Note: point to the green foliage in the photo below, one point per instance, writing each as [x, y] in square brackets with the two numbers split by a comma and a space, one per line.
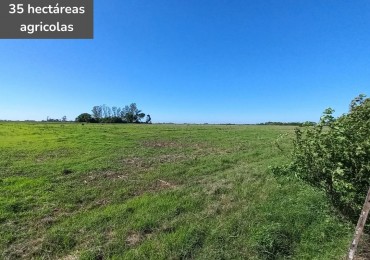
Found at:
[132, 114]
[84, 117]
[148, 119]
[111, 120]
[106, 114]
[334, 155]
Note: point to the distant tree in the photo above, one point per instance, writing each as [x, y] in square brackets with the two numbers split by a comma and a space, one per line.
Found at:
[97, 112]
[64, 119]
[118, 112]
[132, 114]
[49, 119]
[107, 112]
[148, 119]
[84, 117]
[114, 119]
[125, 114]
[114, 111]
[309, 123]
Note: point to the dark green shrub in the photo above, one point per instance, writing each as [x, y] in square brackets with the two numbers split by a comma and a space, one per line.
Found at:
[85, 117]
[334, 155]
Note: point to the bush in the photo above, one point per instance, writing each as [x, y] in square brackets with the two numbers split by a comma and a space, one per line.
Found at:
[334, 155]
[85, 118]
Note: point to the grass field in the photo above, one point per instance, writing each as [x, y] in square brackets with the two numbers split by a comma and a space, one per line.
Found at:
[93, 191]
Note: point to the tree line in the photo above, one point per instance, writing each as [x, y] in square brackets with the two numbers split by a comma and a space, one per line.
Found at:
[106, 114]
[307, 123]
[49, 119]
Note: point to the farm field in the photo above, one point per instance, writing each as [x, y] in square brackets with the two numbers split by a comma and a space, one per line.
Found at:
[94, 191]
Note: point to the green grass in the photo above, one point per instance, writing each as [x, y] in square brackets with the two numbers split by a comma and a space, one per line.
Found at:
[97, 191]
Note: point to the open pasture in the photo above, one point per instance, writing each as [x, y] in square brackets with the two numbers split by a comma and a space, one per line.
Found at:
[93, 191]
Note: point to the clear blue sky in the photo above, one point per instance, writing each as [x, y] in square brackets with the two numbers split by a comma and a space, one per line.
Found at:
[216, 61]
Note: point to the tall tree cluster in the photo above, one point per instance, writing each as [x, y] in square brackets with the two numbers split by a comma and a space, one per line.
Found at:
[106, 114]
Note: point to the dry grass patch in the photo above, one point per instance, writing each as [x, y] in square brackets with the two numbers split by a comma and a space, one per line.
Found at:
[161, 184]
[162, 144]
[24, 250]
[133, 239]
[109, 174]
